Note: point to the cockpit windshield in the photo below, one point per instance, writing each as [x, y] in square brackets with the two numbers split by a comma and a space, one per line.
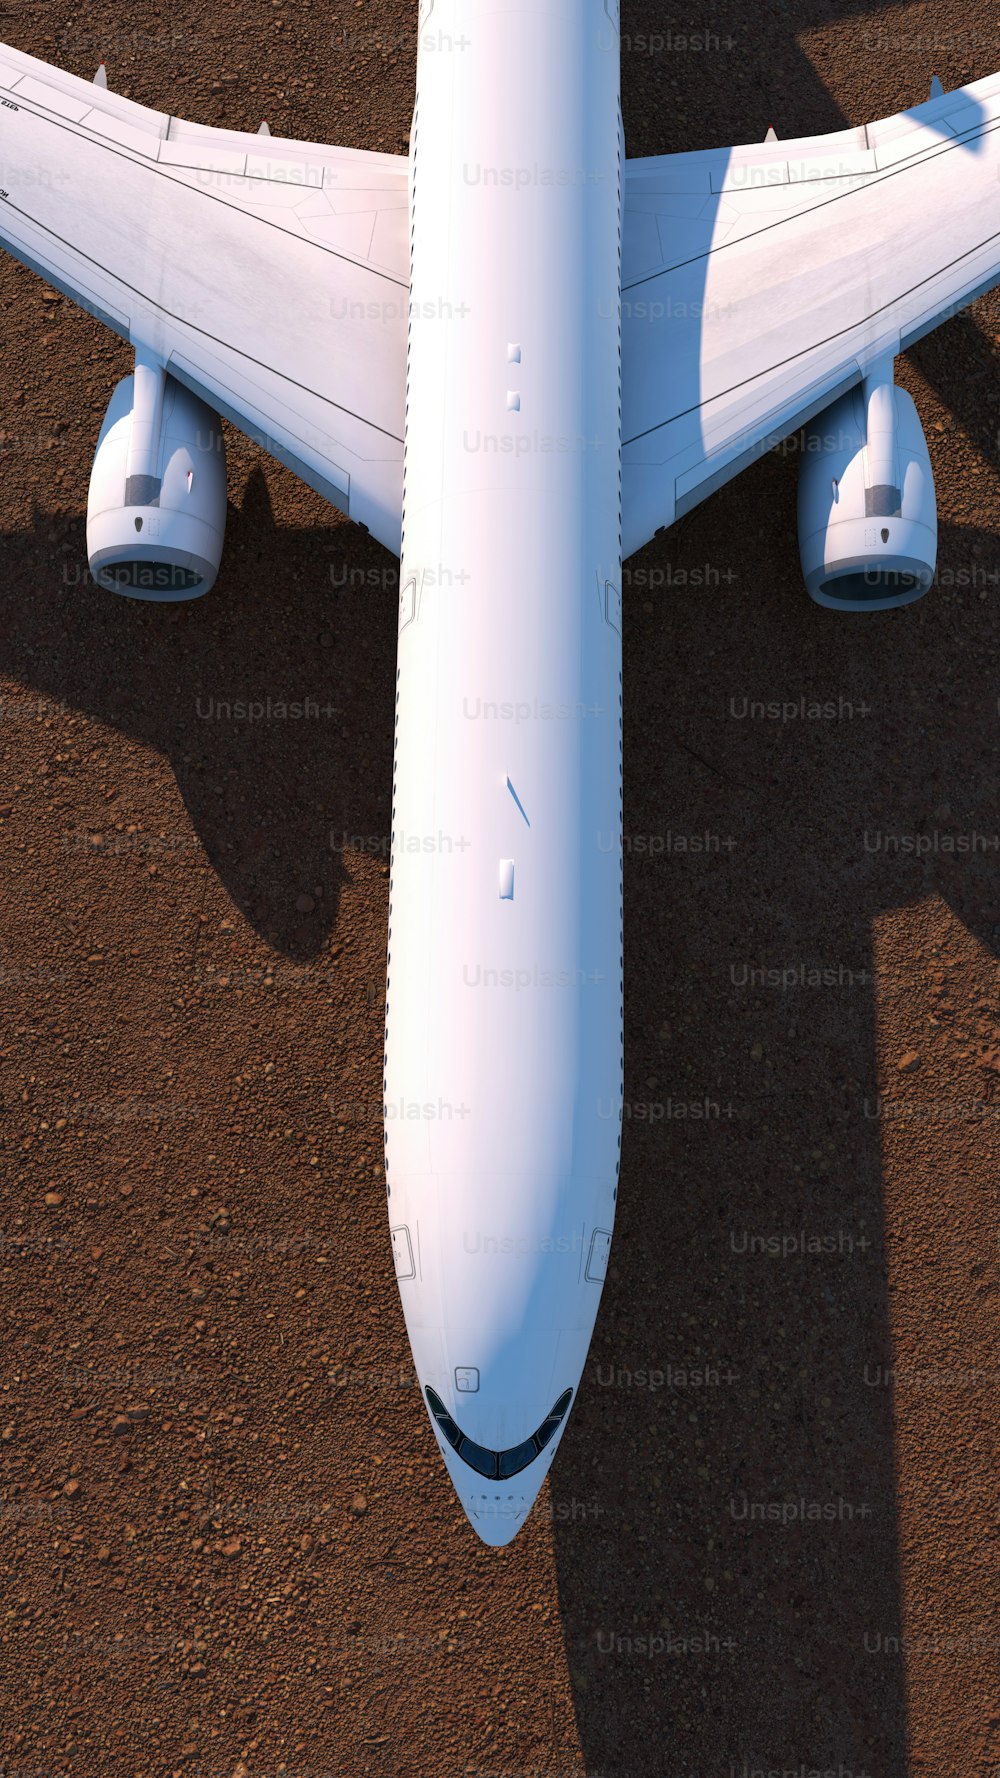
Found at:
[498, 1465]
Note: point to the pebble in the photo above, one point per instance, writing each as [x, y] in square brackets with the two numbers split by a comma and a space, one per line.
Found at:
[119, 1425]
[359, 1506]
[71, 1488]
[907, 1063]
[53, 1197]
[304, 904]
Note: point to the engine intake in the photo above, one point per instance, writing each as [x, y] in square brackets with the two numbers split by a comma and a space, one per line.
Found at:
[156, 510]
[867, 509]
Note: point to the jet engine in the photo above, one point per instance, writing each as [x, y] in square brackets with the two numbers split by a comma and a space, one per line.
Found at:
[867, 510]
[156, 510]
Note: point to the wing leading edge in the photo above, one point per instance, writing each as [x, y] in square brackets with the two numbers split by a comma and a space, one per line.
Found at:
[759, 284]
[271, 277]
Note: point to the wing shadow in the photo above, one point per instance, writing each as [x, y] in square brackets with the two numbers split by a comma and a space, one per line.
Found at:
[278, 725]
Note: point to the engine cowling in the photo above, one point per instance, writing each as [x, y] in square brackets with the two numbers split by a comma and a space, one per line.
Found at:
[156, 510]
[867, 508]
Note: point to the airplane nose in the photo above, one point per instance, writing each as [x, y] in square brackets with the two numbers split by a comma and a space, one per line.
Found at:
[497, 1488]
[496, 1511]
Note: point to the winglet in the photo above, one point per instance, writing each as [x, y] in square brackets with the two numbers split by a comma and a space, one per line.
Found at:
[264, 130]
[771, 134]
[937, 90]
[101, 77]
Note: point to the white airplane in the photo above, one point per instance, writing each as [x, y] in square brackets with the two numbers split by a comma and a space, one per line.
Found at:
[513, 357]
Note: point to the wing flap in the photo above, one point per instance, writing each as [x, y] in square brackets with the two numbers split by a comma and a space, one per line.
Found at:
[49, 97]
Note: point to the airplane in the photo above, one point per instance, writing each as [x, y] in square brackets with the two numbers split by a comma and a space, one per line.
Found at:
[513, 356]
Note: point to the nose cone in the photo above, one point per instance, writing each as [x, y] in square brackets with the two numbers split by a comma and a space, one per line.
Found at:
[496, 1510]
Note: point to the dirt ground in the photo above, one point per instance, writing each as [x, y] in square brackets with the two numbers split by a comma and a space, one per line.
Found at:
[769, 1541]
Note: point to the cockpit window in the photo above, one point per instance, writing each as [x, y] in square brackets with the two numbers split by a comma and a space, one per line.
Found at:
[498, 1465]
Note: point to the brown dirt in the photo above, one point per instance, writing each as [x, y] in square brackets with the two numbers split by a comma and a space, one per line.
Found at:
[229, 1546]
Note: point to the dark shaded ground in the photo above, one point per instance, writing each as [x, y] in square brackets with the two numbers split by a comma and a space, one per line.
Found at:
[769, 1542]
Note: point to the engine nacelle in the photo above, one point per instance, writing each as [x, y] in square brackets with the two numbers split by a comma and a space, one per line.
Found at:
[156, 510]
[867, 509]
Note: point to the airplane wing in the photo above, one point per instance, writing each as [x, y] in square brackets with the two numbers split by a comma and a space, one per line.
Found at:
[758, 284]
[272, 277]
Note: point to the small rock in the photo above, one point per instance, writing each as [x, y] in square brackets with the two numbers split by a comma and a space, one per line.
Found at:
[304, 904]
[120, 1425]
[139, 1411]
[71, 1488]
[305, 1543]
[909, 1062]
[53, 1197]
[104, 1554]
[232, 1546]
[359, 1506]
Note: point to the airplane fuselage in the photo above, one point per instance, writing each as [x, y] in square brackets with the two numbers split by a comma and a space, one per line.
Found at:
[503, 1062]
